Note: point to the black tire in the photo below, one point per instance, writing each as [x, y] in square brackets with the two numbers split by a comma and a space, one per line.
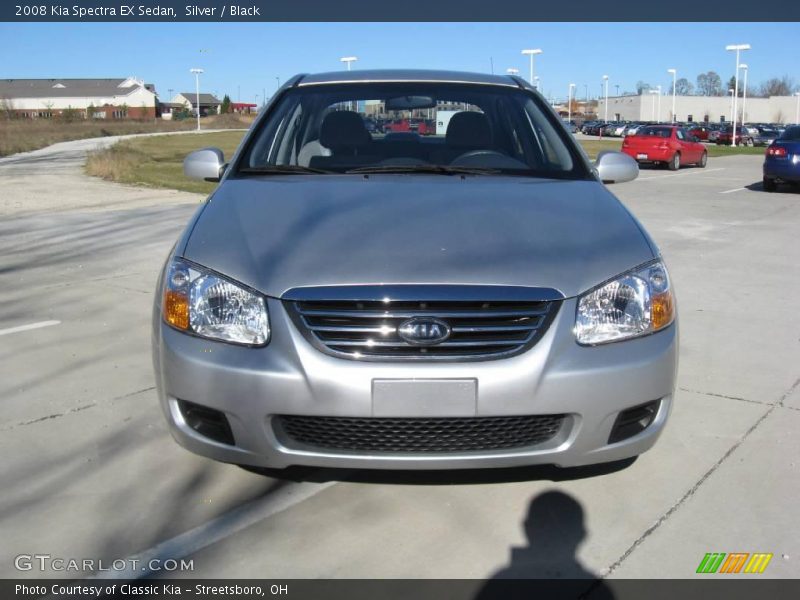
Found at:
[749, 142]
[675, 162]
[770, 185]
[703, 160]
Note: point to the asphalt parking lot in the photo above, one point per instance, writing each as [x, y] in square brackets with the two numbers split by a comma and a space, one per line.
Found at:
[91, 472]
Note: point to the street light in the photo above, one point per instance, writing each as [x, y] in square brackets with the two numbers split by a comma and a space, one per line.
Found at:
[605, 118]
[512, 71]
[674, 84]
[348, 60]
[536, 84]
[736, 48]
[569, 104]
[730, 91]
[659, 104]
[531, 52]
[744, 93]
[197, 73]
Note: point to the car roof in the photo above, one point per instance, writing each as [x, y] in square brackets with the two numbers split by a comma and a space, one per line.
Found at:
[410, 75]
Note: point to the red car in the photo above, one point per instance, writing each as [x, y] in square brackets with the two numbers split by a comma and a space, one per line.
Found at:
[744, 136]
[701, 132]
[664, 144]
[397, 126]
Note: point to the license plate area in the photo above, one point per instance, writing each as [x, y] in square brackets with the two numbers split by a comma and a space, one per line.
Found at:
[424, 397]
[641, 156]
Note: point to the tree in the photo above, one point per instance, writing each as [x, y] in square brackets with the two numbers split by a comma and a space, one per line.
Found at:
[709, 84]
[778, 87]
[683, 87]
[642, 87]
[226, 107]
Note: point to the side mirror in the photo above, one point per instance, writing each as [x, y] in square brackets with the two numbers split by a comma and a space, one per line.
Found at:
[616, 167]
[207, 164]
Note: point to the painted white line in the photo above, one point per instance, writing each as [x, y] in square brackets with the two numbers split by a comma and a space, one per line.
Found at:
[731, 191]
[28, 327]
[217, 529]
[697, 172]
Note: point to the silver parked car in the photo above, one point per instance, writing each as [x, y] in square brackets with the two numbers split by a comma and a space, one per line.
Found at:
[474, 298]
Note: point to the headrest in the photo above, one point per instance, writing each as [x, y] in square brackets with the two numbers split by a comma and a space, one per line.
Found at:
[469, 130]
[343, 129]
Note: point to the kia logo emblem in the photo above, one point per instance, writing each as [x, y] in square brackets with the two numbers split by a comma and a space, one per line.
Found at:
[423, 331]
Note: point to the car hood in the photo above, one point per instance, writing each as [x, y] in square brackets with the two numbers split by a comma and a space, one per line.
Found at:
[281, 232]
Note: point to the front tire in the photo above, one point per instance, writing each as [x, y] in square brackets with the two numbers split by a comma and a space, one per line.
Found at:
[675, 162]
[770, 185]
[703, 160]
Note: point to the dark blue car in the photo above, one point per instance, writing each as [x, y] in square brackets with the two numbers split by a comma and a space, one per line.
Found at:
[782, 161]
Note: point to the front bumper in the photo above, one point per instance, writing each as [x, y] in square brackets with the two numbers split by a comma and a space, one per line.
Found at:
[591, 385]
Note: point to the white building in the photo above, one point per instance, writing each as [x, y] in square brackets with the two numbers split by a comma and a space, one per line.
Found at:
[652, 107]
[107, 98]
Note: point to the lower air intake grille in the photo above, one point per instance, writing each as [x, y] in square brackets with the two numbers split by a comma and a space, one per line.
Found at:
[469, 434]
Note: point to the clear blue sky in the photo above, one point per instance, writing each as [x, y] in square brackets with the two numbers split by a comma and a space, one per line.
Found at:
[249, 57]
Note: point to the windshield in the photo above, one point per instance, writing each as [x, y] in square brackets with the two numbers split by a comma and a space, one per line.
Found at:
[411, 127]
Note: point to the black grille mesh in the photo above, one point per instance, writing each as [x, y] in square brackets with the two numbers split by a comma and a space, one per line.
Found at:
[463, 434]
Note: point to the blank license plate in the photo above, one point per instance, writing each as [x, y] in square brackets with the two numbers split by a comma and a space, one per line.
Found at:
[424, 397]
[641, 156]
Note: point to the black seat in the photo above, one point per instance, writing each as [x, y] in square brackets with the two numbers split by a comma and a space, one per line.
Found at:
[345, 134]
[467, 131]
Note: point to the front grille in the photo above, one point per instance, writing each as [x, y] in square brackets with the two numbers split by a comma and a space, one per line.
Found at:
[368, 329]
[468, 434]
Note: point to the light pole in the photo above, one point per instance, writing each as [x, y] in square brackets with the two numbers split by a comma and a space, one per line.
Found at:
[737, 48]
[512, 71]
[197, 73]
[674, 84]
[537, 84]
[569, 104]
[744, 93]
[797, 109]
[348, 60]
[730, 91]
[605, 118]
[531, 52]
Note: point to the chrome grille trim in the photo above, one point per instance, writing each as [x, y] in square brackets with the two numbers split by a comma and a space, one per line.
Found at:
[365, 328]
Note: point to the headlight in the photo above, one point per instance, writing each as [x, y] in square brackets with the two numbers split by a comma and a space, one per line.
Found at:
[201, 302]
[634, 304]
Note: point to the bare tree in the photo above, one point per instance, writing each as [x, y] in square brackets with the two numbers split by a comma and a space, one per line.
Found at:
[783, 86]
[709, 84]
[683, 87]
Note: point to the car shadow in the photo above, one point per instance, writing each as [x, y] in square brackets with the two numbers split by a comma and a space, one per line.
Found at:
[554, 529]
[442, 477]
[783, 188]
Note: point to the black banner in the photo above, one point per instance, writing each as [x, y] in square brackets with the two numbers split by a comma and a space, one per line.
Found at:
[407, 11]
[744, 587]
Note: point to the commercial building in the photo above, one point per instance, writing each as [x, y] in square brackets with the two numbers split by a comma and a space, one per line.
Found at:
[121, 98]
[209, 103]
[652, 107]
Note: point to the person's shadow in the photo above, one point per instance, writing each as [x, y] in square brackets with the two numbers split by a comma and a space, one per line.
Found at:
[555, 528]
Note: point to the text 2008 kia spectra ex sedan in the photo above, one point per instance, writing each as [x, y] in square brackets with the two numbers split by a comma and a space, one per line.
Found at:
[470, 298]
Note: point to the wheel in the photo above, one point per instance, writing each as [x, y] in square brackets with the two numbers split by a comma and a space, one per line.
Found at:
[770, 185]
[675, 162]
[749, 142]
[703, 160]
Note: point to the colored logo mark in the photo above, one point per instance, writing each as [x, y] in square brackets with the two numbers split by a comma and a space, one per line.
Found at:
[735, 562]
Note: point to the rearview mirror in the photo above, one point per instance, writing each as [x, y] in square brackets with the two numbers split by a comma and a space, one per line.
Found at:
[207, 164]
[410, 102]
[616, 167]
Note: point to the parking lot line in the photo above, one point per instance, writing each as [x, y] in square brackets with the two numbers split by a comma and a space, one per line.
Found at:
[739, 189]
[28, 327]
[680, 174]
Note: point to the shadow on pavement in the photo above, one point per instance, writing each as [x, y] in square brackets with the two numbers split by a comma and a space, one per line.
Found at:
[554, 528]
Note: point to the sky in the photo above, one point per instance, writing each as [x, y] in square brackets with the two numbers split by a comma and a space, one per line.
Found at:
[245, 60]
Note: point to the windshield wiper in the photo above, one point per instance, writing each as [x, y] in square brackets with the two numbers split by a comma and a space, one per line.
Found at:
[281, 170]
[440, 169]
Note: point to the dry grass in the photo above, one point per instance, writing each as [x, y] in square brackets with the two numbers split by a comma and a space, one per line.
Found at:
[23, 135]
[158, 161]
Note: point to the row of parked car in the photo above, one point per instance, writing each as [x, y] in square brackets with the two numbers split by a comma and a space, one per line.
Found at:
[420, 126]
[749, 134]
